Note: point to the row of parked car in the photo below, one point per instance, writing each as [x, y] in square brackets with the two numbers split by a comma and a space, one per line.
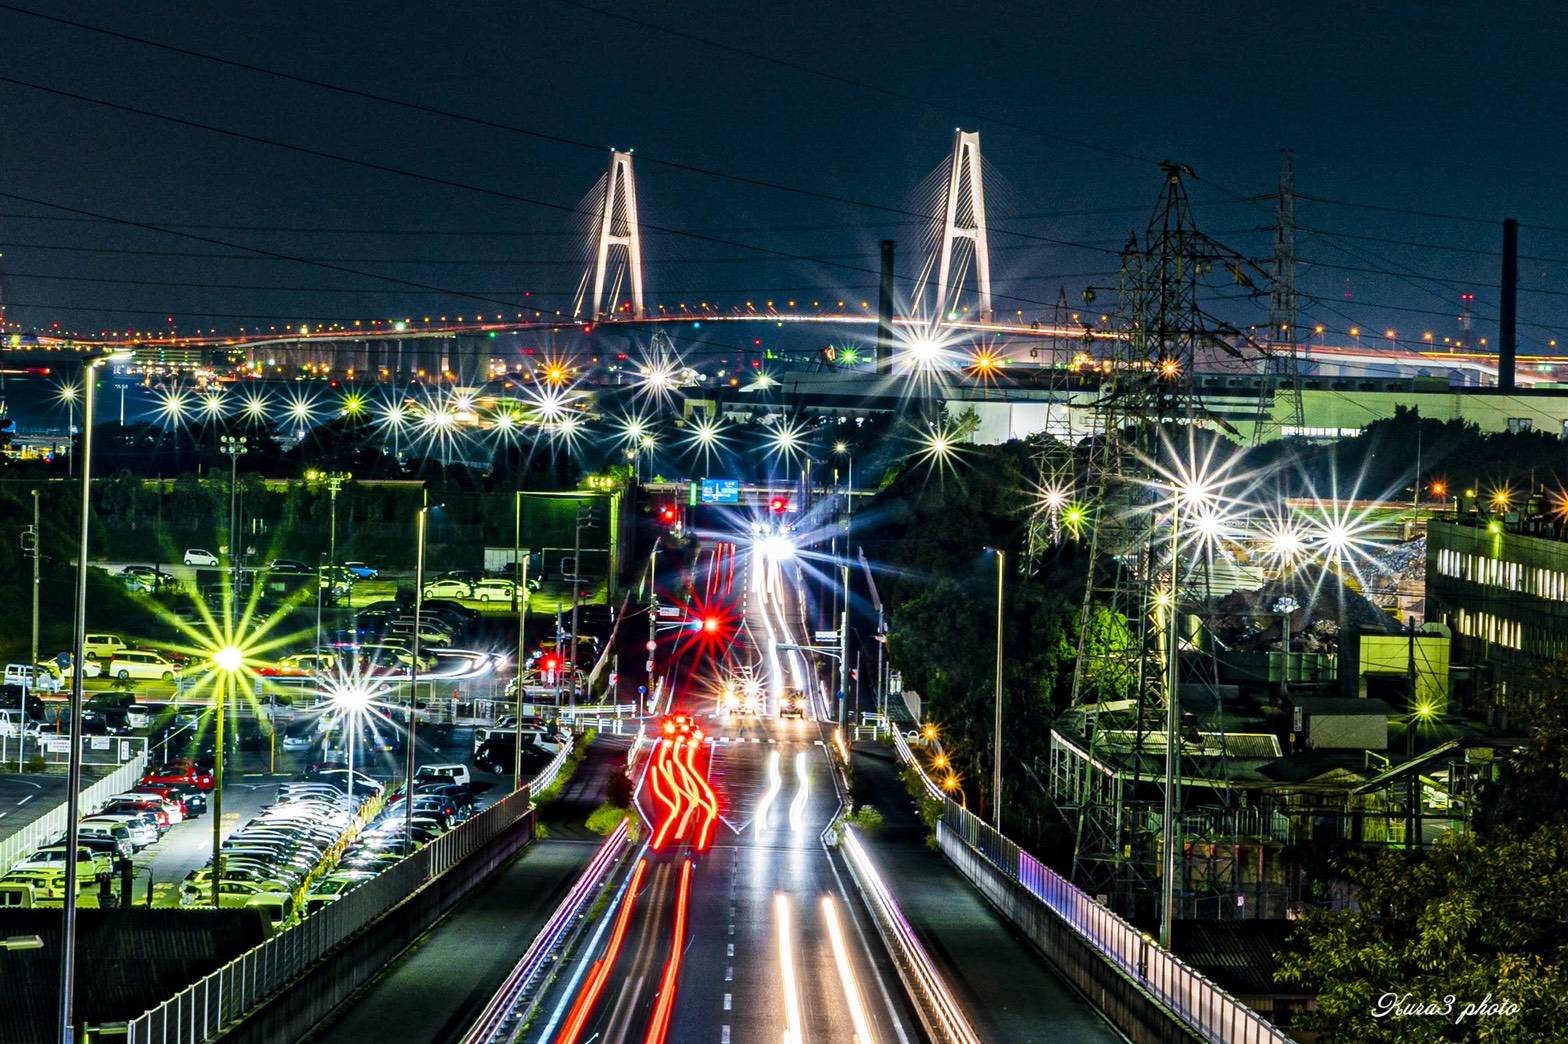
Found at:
[269, 860]
[124, 824]
[382, 640]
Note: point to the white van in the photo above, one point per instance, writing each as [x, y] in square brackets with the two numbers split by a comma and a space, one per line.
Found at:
[9, 726]
[138, 663]
[32, 678]
[101, 646]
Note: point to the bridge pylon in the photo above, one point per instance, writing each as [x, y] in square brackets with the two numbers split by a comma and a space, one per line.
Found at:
[963, 217]
[617, 226]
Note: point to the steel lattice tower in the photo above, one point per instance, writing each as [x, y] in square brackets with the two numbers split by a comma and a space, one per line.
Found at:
[1283, 369]
[1108, 775]
[1054, 459]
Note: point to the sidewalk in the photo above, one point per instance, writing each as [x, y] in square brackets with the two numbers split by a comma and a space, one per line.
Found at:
[1002, 981]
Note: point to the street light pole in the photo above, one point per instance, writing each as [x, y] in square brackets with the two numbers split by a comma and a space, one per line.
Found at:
[73, 790]
[843, 646]
[413, 675]
[520, 606]
[234, 446]
[1172, 807]
[21, 715]
[996, 738]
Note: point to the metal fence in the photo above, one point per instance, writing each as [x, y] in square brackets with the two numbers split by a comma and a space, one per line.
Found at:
[201, 1011]
[47, 827]
[56, 750]
[1191, 996]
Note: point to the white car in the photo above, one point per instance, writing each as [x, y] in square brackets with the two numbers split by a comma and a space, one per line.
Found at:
[195, 556]
[449, 588]
[494, 590]
[138, 663]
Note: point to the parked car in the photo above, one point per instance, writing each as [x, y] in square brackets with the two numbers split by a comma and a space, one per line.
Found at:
[300, 665]
[456, 774]
[491, 590]
[448, 587]
[12, 723]
[183, 771]
[287, 565]
[361, 570]
[116, 834]
[143, 831]
[135, 663]
[101, 646]
[195, 556]
[53, 858]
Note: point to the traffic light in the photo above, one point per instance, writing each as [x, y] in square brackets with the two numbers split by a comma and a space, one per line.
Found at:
[669, 514]
[779, 505]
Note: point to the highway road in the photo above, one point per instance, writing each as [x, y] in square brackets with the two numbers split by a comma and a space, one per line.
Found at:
[745, 928]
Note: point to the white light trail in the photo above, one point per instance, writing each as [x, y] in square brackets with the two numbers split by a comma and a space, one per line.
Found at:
[775, 784]
[792, 1021]
[846, 973]
[797, 807]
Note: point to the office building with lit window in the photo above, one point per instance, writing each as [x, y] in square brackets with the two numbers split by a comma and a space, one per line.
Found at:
[1500, 582]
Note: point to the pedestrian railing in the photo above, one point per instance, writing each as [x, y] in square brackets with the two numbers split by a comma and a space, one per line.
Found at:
[17, 846]
[201, 1011]
[510, 1007]
[1188, 994]
[547, 775]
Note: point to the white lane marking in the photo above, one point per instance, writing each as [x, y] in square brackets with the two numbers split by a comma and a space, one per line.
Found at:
[729, 951]
[726, 1002]
[729, 974]
[25, 800]
[724, 1034]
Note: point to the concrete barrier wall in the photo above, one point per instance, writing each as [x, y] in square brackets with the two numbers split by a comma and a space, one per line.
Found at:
[1130, 1008]
[331, 983]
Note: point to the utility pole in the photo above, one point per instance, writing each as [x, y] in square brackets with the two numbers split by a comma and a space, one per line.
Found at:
[1172, 809]
[520, 606]
[30, 540]
[1412, 777]
[843, 646]
[996, 738]
[234, 447]
[584, 517]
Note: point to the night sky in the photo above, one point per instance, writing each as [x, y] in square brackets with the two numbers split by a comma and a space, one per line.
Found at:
[1450, 110]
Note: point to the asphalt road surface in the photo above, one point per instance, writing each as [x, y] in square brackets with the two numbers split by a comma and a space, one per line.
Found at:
[432, 992]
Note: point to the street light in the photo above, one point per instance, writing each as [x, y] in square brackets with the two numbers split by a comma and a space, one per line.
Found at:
[520, 607]
[334, 481]
[413, 667]
[230, 660]
[996, 739]
[67, 1007]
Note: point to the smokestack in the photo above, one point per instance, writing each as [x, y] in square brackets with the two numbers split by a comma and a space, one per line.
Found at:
[1508, 307]
[884, 352]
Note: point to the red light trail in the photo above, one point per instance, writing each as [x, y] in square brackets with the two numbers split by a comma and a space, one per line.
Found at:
[659, 1028]
[681, 793]
[602, 967]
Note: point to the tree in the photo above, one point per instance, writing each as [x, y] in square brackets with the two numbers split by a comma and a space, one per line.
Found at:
[1476, 916]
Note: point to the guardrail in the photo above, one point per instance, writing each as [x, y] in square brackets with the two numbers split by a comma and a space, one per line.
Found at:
[1189, 995]
[46, 827]
[201, 1011]
[506, 1011]
[907, 756]
[939, 1012]
[547, 775]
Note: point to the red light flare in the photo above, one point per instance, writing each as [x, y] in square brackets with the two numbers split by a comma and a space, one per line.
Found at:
[602, 967]
[659, 1026]
[716, 624]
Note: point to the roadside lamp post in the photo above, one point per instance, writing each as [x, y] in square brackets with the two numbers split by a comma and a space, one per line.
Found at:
[334, 481]
[520, 607]
[422, 521]
[234, 447]
[229, 661]
[73, 792]
[996, 738]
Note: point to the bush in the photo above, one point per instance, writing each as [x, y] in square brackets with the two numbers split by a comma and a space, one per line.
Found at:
[35, 763]
[866, 819]
[619, 789]
[604, 819]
